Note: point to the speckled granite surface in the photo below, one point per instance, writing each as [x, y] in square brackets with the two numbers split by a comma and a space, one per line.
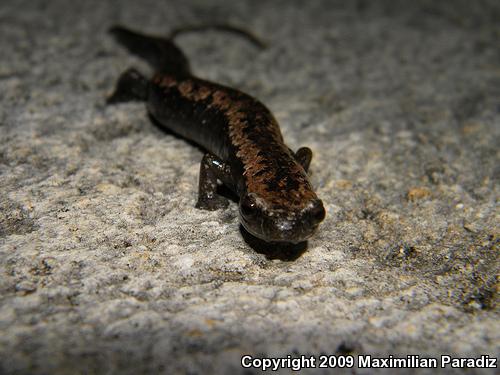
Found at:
[107, 267]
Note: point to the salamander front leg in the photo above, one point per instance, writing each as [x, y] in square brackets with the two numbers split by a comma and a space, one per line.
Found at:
[304, 156]
[131, 85]
[212, 170]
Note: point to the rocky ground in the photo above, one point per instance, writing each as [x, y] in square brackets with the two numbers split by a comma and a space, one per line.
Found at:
[107, 267]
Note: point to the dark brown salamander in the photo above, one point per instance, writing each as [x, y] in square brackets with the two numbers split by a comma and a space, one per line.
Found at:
[245, 148]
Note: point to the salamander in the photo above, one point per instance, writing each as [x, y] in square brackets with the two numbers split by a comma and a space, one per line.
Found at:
[244, 146]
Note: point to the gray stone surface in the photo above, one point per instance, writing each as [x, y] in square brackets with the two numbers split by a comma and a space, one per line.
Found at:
[107, 267]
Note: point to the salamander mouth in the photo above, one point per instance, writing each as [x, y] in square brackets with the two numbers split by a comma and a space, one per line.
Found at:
[283, 232]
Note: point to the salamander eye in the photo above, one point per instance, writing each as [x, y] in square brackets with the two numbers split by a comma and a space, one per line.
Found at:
[248, 205]
[317, 212]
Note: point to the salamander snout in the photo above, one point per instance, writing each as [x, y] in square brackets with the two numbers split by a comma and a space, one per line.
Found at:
[280, 224]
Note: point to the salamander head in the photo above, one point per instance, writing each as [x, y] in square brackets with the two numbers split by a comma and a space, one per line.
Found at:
[273, 223]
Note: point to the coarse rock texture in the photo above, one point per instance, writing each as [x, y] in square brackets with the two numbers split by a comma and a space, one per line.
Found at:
[107, 267]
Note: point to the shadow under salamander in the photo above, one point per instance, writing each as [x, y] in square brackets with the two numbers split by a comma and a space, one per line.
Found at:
[287, 252]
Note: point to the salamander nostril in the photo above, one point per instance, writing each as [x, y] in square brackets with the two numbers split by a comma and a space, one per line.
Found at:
[284, 226]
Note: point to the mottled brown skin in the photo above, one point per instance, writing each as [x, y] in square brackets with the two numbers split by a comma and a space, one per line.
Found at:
[245, 151]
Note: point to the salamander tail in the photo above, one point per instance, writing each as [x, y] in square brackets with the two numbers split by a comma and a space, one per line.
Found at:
[161, 53]
[221, 27]
[131, 85]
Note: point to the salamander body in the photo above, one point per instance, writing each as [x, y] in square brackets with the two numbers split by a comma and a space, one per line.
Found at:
[244, 146]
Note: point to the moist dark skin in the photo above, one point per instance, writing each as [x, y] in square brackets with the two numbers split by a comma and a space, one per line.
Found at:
[244, 146]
